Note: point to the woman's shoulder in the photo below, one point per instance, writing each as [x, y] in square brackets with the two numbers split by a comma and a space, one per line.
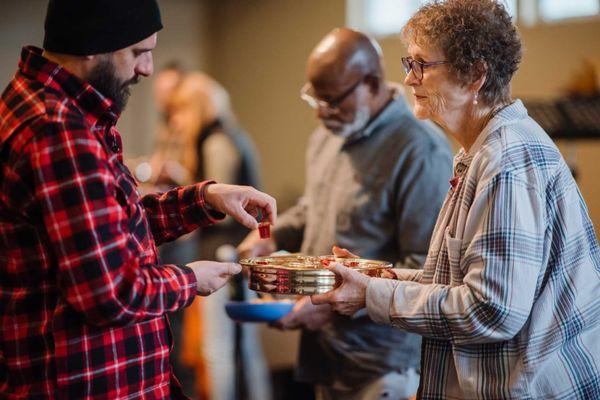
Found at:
[522, 149]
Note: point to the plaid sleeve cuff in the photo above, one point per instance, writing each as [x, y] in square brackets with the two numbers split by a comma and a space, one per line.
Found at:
[188, 282]
[196, 208]
[380, 293]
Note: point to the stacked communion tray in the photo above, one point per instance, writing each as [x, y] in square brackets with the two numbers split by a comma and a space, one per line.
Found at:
[300, 274]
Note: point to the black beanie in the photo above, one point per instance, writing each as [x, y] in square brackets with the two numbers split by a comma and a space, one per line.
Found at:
[85, 27]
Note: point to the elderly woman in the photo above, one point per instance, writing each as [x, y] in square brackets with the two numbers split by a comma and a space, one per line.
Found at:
[508, 302]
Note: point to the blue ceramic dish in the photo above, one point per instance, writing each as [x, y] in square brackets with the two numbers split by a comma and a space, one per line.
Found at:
[244, 311]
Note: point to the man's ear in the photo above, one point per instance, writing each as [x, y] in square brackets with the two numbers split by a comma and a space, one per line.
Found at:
[88, 63]
[374, 83]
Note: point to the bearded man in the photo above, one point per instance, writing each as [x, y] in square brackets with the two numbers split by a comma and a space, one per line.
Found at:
[83, 297]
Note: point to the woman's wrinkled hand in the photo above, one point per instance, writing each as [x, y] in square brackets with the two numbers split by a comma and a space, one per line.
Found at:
[350, 296]
[345, 253]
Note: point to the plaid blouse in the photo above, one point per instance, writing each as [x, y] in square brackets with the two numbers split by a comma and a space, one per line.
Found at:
[83, 300]
[508, 302]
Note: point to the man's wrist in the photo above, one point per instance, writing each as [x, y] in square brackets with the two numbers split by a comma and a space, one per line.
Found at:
[213, 213]
[204, 196]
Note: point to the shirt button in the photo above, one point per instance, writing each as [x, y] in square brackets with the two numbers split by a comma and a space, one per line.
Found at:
[460, 168]
[115, 145]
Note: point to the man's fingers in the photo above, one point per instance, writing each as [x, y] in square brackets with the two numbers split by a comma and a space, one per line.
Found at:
[229, 269]
[244, 218]
[271, 211]
[270, 208]
[253, 211]
[230, 198]
[267, 203]
[284, 323]
[277, 325]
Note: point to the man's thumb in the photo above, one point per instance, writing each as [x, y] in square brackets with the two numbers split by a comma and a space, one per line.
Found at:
[231, 269]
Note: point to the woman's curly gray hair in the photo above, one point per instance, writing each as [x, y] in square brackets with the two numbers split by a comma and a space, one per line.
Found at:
[471, 33]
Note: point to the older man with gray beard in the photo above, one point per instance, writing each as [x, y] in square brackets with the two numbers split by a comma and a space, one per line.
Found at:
[376, 178]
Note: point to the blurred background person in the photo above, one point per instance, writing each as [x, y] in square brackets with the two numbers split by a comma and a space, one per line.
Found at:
[165, 82]
[162, 172]
[210, 141]
[202, 138]
[165, 164]
[376, 178]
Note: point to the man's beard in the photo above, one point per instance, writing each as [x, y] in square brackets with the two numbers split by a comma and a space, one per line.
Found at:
[363, 114]
[103, 78]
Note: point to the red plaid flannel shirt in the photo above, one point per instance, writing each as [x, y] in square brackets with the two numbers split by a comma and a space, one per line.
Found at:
[83, 299]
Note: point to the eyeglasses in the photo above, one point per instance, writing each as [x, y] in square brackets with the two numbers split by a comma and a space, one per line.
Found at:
[417, 67]
[333, 105]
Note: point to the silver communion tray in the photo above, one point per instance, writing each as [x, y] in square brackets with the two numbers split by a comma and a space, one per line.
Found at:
[304, 275]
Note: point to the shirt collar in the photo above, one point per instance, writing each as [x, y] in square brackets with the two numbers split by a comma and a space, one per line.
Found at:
[506, 116]
[92, 102]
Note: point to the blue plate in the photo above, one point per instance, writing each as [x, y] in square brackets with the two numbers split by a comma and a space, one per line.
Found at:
[244, 311]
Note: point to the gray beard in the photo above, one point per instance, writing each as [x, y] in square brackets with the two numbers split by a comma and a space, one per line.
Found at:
[360, 121]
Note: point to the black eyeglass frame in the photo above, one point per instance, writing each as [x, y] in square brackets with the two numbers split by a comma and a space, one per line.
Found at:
[332, 105]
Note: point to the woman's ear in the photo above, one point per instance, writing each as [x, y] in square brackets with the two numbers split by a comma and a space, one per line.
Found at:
[480, 69]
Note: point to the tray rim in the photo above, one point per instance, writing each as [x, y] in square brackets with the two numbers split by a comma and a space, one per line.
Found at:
[274, 268]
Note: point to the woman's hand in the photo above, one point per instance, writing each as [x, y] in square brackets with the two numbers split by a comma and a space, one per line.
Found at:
[345, 253]
[350, 296]
[241, 202]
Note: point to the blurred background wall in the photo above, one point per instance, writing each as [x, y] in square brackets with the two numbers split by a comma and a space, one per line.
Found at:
[258, 49]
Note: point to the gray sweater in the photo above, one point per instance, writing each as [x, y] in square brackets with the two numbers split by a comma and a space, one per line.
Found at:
[378, 194]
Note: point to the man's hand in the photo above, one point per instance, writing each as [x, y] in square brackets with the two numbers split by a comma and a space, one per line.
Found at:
[254, 246]
[241, 202]
[350, 296]
[212, 276]
[306, 315]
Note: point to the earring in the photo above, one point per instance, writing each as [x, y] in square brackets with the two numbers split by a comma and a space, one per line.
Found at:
[475, 99]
